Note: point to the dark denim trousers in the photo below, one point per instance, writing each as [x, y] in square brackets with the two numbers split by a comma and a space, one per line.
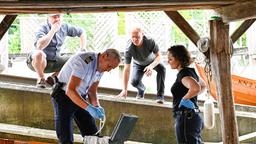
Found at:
[138, 74]
[188, 129]
[64, 113]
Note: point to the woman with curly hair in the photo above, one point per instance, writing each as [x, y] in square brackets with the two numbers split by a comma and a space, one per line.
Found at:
[187, 86]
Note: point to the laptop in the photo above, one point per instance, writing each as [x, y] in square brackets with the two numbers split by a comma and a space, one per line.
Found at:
[123, 128]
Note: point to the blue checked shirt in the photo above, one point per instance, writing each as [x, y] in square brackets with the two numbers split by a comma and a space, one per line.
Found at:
[53, 49]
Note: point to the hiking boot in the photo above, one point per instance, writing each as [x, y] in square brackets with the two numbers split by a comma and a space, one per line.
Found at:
[160, 99]
[51, 80]
[41, 83]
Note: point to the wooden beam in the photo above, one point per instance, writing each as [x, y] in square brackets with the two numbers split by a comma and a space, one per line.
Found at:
[183, 25]
[68, 6]
[241, 29]
[220, 66]
[109, 3]
[84, 9]
[5, 24]
[239, 11]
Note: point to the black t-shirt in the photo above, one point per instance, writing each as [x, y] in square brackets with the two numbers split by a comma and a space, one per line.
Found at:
[179, 90]
[142, 56]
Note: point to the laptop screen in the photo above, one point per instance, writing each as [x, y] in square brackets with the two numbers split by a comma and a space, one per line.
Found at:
[123, 128]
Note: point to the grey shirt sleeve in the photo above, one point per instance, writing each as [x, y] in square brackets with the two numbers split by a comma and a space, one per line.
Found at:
[153, 46]
[73, 31]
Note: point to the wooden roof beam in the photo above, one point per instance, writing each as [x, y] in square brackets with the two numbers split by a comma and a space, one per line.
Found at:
[66, 9]
[239, 11]
[108, 3]
[241, 29]
[79, 6]
[5, 24]
[183, 25]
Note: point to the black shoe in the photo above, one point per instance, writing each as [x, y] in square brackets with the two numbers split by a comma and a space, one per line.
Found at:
[41, 83]
[140, 95]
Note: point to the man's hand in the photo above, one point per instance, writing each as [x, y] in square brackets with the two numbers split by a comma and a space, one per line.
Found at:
[95, 112]
[187, 103]
[56, 26]
[148, 70]
[123, 93]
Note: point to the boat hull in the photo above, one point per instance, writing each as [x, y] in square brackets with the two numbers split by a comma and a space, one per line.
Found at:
[244, 89]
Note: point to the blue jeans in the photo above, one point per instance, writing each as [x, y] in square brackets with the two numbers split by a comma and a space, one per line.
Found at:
[188, 129]
[138, 74]
[64, 113]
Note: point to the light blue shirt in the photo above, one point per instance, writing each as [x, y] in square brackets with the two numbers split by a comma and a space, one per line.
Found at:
[84, 66]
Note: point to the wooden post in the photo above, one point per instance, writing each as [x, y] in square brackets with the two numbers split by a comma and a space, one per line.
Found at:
[220, 65]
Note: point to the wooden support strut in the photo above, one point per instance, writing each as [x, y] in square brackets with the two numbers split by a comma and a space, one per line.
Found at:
[220, 65]
[5, 24]
[183, 25]
[241, 29]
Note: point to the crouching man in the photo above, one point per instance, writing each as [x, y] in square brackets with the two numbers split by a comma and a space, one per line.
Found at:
[74, 96]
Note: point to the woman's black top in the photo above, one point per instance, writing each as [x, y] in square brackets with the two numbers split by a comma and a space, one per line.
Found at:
[179, 90]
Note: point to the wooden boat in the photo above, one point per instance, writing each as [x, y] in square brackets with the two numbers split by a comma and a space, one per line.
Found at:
[244, 89]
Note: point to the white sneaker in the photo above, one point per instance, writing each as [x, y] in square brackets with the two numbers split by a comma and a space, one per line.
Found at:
[160, 101]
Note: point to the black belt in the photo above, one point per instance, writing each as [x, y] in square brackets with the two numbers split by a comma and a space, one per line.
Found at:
[188, 112]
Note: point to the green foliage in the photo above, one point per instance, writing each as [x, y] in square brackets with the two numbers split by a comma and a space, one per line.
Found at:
[178, 37]
[121, 23]
[14, 38]
[86, 22]
[243, 40]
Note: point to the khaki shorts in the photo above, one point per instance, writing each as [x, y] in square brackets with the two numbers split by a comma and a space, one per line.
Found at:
[52, 65]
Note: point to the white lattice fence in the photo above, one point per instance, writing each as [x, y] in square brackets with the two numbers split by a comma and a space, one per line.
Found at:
[105, 32]
[28, 27]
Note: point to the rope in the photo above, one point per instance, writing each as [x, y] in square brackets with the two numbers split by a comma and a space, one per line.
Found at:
[102, 124]
[203, 44]
[208, 74]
